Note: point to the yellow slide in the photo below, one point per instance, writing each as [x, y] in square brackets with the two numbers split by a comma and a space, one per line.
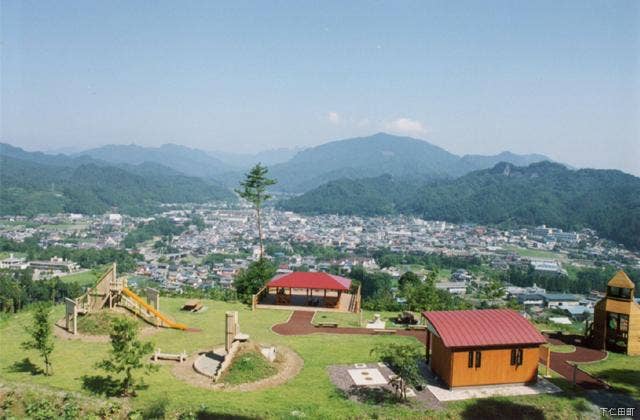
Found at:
[167, 322]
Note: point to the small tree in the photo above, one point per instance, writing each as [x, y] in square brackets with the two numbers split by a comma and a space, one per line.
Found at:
[254, 190]
[253, 278]
[403, 360]
[40, 335]
[127, 354]
[408, 279]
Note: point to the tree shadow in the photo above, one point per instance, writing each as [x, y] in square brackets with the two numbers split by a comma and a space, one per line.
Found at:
[627, 378]
[373, 395]
[157, 410]
[491, 408]
[102, 385]
[25, 365]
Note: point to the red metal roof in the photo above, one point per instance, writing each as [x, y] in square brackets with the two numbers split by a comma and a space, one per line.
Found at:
[485, 327]
[306, 280]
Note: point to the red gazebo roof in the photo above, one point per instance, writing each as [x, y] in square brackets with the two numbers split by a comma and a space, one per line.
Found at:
[485, 327]
[306, 280]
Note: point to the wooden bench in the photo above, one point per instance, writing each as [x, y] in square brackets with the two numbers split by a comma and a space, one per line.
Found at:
[384, 331]
[416, 327]
[180, 357]
[327, 324]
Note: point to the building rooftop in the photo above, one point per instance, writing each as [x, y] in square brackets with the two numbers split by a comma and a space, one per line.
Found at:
[309, 280]
[621, 280]
[487, 327]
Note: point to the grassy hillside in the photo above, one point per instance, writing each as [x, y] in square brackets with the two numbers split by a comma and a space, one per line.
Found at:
[310, 393]
[30, 187]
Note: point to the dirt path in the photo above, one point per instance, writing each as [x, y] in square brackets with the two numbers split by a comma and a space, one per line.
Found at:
[300, 324]
[560, 363]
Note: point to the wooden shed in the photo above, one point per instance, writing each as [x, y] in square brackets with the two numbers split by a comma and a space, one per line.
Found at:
[482, 347]
[616, 318]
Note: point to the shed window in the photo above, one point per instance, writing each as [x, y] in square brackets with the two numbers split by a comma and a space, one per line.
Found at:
[478, 359]
[516, 357]
[470, 363]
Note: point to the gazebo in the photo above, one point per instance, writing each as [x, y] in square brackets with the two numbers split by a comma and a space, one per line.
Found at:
[309, 289]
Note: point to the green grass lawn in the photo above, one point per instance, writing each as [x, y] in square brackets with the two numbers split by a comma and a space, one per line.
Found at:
[310, 393]
[535, 253]
[248, 366]
[99, 323]
[85, 278]
[618, 370]
[344, 319]
[562, 348]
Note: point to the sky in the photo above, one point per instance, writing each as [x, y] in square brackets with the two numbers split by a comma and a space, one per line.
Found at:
[560, 78]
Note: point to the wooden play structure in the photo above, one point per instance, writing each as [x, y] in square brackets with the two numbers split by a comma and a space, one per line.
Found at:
[112, 291]
[214, 363]
[616, 318]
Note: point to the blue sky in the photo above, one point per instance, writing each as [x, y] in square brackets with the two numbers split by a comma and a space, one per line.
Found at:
[553, 77]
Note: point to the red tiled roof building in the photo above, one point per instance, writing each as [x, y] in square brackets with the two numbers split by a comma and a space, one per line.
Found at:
[482, 347]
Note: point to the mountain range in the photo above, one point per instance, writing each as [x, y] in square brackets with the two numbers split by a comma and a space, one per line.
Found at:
[33, 182]
[540, 193]
[401, 157]
[298, 170]
[379, 174]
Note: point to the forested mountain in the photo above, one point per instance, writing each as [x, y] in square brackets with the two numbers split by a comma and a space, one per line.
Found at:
[605, 200]
[488, 161]
[297, 171]
[44, 158]
[29, 187]
[192, 162]
[364, 157]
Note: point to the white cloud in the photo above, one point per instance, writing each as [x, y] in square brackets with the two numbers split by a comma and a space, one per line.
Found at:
[334, 117]
[406, 126]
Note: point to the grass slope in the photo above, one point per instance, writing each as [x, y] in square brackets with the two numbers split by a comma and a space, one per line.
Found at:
[310, 393]
[248, 366]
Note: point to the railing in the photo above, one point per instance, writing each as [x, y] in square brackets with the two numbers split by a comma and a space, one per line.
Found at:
[255, 299]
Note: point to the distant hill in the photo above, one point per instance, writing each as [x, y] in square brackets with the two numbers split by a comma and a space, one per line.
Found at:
[44, 158]
[483, 162]
[244, 161]
[40, 183]
[193, 162]
[605, 200]
[363, 157]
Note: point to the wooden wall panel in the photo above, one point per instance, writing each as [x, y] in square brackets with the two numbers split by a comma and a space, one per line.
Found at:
[440, 359]
[495, 368]
[633, 345]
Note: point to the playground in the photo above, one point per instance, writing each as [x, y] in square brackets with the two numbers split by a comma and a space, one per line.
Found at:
[303, 387]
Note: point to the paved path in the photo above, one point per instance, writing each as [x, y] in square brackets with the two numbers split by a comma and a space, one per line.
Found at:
[300, 324]
[560, 363]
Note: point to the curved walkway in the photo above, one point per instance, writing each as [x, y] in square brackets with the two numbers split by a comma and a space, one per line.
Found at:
[300, 324]
[561, 364]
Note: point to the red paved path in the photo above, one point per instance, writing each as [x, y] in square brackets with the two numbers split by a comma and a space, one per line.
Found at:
[300, 324]
[560, 364]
